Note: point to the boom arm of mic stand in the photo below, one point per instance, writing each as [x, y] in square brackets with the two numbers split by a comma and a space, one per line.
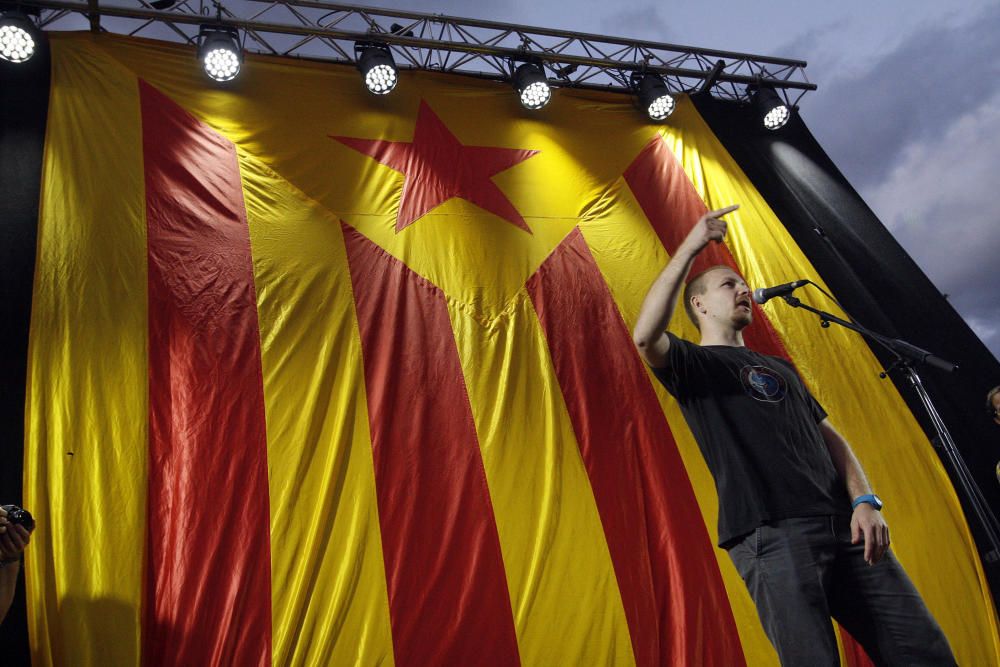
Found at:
[904, 353]
[915, 353]
[900, 347]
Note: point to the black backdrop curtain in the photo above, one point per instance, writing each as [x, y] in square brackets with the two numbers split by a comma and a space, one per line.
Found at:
[24, 96]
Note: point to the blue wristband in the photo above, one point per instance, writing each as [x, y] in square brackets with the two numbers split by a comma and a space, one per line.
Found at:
[870, 498]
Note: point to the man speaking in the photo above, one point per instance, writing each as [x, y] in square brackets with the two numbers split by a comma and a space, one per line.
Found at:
[796, 512]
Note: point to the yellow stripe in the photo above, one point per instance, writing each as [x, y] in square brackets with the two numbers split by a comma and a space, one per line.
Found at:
[329, 602]
[85, 456]
[567, 607]
[929, 534]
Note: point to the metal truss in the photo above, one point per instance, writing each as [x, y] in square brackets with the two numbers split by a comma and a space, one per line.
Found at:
[318, 30]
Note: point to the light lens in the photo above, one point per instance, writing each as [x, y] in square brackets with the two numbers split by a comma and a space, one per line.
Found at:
[381, 79]
[661, 107]
[222, 63]
[536, 95]
[776, 117]
[772, 107]
[16, 44]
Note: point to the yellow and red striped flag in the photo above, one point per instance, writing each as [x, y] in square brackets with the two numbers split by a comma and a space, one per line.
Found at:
[347, 379]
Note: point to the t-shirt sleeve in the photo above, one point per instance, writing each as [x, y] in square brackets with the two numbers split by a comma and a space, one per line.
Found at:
[674, 376]
[818, 413]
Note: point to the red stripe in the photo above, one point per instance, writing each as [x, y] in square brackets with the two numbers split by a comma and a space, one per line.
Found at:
[672, 206]
[854, 653]
[208, 596]
[448, 597]
[675, 601]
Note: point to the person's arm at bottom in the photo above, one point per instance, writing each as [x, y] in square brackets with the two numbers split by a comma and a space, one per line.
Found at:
[8, 583]
[13, 539]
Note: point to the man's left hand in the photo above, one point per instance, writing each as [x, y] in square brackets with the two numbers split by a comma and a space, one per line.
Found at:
[867, 523]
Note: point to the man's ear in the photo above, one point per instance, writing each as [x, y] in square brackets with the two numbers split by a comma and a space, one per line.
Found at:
[696, 304]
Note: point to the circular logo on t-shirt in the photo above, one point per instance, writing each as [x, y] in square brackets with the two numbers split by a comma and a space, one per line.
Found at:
[763, 384]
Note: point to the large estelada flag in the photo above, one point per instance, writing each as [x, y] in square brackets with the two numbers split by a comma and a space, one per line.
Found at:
[321, 378]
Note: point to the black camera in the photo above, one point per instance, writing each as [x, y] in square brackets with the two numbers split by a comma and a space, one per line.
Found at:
[16, 515]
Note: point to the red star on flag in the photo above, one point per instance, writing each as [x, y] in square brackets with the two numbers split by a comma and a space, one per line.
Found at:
[437, 167]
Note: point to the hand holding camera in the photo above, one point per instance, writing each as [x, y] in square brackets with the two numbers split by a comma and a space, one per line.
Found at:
[16, 525]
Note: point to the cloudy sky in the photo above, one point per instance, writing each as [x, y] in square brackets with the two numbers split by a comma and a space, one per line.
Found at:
[908, 106]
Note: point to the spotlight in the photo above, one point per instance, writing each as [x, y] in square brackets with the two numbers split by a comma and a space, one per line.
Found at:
[219, 51]
[377, 67]
[532, 86]
[654, 97]
[18, 37]
[771, 107]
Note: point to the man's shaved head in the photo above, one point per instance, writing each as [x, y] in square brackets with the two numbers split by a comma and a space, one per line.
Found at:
[697, 286]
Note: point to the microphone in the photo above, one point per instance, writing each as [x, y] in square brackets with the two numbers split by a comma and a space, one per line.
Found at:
[764, 294]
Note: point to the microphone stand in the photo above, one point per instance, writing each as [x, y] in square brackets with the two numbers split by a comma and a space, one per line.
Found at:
[906, 356]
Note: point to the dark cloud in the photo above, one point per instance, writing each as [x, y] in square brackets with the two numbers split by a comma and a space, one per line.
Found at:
[808, 45]
[909, 94]
[938, 201]
[645, 22]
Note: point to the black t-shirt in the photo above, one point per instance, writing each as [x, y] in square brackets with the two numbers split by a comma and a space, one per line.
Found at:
[757, 427]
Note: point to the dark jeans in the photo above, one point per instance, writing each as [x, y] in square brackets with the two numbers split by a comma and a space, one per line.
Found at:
[802, 571]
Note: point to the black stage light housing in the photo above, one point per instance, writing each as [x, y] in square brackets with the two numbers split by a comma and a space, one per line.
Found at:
[654, 96]
[532, 87]
[19, 37]
[377, 66]
[772, 109]
[219, 52]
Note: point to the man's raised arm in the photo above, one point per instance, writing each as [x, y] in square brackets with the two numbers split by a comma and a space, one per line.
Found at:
[650, 328]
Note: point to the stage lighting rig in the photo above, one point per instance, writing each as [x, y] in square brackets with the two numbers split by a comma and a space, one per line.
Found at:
[219, 51]
[654, 97]
[377, 66]
[18, 36]
[532, 86]
[773, 110]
